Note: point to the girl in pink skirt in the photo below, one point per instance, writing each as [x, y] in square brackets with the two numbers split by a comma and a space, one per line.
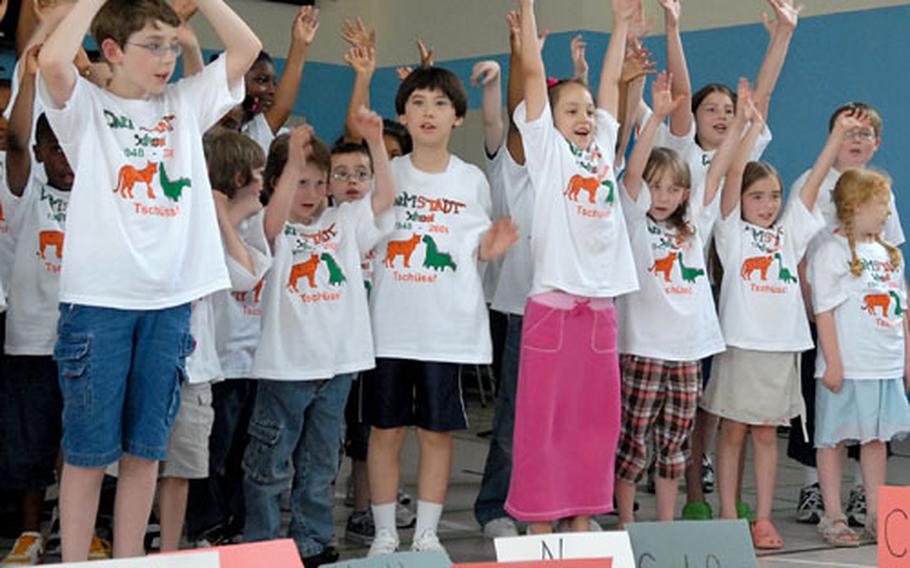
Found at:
[568, 404]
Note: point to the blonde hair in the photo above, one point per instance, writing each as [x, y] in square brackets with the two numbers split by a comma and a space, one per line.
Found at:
[855, 187]
[665, 159]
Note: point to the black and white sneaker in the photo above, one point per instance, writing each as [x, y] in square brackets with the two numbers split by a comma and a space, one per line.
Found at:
[810, 508]
[856, 507]
[707, 474]
[360, 528]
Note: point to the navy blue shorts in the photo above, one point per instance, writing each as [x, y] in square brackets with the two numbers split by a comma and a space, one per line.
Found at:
[403, 392]
[30, 407]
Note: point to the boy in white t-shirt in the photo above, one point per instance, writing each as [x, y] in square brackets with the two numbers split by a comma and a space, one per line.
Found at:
[142, 243]
[427, 304]
[315, 336]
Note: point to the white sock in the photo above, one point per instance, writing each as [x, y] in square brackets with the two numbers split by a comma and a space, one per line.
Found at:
[428, 514]
[857, 474]
[384, 517]
[811, 476]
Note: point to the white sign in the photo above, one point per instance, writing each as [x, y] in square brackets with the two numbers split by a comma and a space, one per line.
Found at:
[208, 559]
[567, 546]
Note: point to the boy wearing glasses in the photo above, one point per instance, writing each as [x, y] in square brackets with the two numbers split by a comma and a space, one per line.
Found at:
[857, 150]
[142, 243]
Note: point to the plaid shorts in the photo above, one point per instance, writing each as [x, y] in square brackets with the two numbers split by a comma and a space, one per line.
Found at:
[659, 398]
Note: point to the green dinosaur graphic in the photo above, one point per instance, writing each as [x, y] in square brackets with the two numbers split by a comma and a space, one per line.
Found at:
[689, 274]
[609, 184]
[172, 189]
[898, 308]
[783, 274]
[336, 276]
[436, 259]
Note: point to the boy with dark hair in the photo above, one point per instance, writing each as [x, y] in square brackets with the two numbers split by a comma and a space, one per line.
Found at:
[423, 335]
[142, 243]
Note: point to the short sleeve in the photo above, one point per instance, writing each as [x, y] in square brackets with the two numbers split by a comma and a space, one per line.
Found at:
[537, 137]
[894, 233]
[253, 236]
[727, 234]
[667, 139]
[764, 138]
[368, 228]
[607, 130]
[74, 117]
[635, 211]
[495, 166]
[827, 269]
[801, 225]
[209, 94]
[701, 216]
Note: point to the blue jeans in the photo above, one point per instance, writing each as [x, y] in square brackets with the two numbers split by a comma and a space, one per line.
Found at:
[295, 431]
[498, 470]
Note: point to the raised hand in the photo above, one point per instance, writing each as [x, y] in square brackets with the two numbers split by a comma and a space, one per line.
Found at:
[786, 16]
[426, 54]
[662, 96]
[361, 59]
[672, 11]
[484, 73]
[300, 146]
[637, 63]
[403, 71]
[305, 25]
[579, 61]
[498, 239]
[368, 124]
[851, 120]
[639, 28]
[357, 34]
[512, 18]
[185, 9]
[626, 9]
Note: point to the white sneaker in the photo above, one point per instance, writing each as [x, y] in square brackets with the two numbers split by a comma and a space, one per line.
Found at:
[384, 542]
[27, 550]
[428, 542]
[501, 527]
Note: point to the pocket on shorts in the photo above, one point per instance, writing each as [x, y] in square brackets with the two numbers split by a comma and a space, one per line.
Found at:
[603, 336]
[260, 461]
[544, 331]
[187, 346]
[72, 356]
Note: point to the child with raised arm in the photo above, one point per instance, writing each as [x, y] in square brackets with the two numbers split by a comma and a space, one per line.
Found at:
[142, 242]
[670, 323]
[442, 231]
[315, 336]
[860, 299]
[856, 151]
[566, 431]
[754, 386]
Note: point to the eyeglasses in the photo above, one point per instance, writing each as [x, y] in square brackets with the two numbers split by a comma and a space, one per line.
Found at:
[864, 135]
[358, 175]
[160, 50]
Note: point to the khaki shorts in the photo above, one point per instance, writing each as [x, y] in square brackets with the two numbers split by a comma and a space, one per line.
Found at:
[188, 446]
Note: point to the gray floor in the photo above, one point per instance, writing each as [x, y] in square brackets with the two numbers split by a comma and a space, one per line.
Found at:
[464, 542]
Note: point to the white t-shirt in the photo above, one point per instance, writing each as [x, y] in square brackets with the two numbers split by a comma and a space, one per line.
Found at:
[492, 271]
[142, 231]
[427, 301]
[868, 310]
[39, 225]
[761, 306]
[672, 316]
[259, 131]
[699, 160]
[202, 366]
[8, 203]
[511, 181]
[579, 241]
[315, 318]
[235, 313]
[893, 233]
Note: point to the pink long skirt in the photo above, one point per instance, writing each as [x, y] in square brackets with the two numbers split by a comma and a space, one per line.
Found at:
[567, 409]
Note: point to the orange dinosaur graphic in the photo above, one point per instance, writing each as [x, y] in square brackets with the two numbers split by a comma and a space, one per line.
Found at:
[578, 183]
[302, 269]
[50, 239]
[761, 263]
[163, 126]
[664, 265]
[402, 248]
[129, 176]
[872, 301]
[257, 291]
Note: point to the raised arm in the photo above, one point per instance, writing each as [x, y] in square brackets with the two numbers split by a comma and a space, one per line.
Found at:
[488, 74]
[781, 29]
[361, 56]
[636, 66]
[579, 60]
[608, 92]
[19, 131]
[733, 173]
[847, 121]
[241, 45]
[229, 215]
[664, 103]
[193, 62]
[61, 47]
[369, 124]
[515, 86]
[533, 71]
[681, 118]
[299, 151]
[303, 32]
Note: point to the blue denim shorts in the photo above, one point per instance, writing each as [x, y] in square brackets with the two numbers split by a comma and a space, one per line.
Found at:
[120, 374]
